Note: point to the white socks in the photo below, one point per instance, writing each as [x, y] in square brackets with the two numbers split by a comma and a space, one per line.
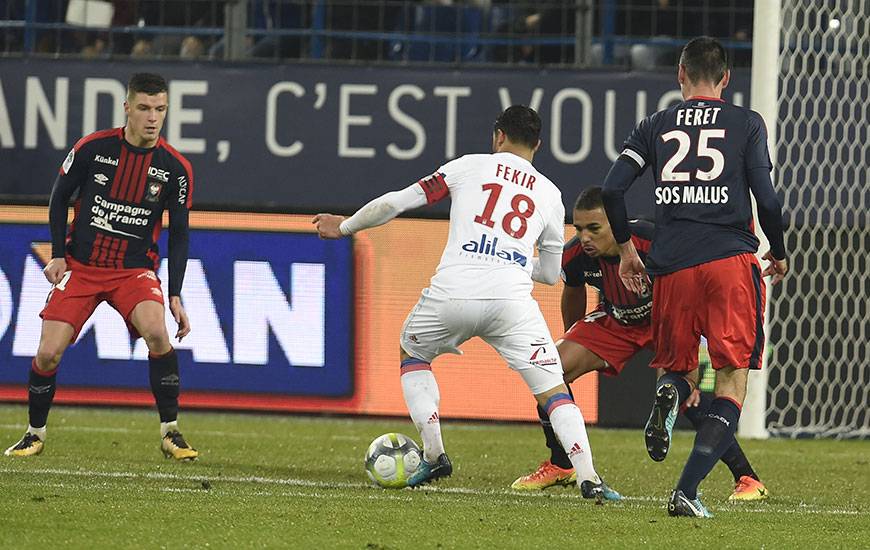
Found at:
[567, 422]
[422, 398]
[166, 427]
[39, 432]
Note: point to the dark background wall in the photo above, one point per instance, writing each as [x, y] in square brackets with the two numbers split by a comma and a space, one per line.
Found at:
[300, 138]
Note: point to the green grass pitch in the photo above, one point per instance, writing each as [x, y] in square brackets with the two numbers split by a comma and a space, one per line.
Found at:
[299, 482]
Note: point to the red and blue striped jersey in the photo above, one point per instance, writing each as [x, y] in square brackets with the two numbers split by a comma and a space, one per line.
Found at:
[602, 273]
[121, 192]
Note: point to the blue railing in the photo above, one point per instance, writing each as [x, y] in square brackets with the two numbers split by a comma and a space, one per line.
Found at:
[466, 46]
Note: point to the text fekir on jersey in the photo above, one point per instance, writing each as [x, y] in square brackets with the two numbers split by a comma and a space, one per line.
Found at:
[515, 176]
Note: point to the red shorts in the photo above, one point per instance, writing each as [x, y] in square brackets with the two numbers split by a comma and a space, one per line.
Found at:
[84, 287]
[605, 337]
[724, 301]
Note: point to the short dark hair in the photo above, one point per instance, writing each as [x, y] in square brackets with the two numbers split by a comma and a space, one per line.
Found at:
[589, 199]
[146, 83]
[521, 124]
[705, 59]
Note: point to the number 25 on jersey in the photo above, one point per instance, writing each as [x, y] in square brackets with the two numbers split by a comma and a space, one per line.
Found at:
[684, 144]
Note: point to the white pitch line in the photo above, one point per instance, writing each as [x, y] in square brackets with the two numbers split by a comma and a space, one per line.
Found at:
[291, 494]
[209, 433]
[80, 429]
[804, 509]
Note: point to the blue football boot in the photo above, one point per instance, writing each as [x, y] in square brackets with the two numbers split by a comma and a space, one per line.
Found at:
[427, 473]
[599, 491]
[680, 505]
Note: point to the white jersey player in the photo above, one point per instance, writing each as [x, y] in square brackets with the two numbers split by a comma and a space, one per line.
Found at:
[502, 209]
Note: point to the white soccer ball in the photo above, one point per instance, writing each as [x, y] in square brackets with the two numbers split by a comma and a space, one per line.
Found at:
[391, 459]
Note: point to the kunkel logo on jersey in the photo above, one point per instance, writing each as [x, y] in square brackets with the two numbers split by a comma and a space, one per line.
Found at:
[106, 160]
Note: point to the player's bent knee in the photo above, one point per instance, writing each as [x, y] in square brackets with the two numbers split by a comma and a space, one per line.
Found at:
[575, 370]
[731, 383]
[545, 396]
[156, 338]
[577, 360]
[554, 398]
[47, 359]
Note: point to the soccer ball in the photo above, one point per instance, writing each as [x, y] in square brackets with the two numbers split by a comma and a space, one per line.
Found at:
[391, 459]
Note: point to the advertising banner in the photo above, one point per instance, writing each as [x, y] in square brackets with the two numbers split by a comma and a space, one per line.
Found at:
[281, 320]
[302, 138]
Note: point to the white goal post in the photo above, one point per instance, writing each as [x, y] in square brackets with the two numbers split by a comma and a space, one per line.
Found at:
[763, 99]
[810, 82]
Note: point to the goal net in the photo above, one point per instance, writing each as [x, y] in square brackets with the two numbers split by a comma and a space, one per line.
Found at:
[819, 372]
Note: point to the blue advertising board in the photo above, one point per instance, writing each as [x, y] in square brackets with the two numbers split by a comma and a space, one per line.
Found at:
[261, 305]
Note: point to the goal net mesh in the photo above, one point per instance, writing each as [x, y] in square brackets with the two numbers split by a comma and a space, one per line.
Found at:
[819, 381]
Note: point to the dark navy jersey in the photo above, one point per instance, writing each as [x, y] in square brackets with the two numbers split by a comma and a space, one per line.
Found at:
[121, 192]
[700, 152]
[602, 273]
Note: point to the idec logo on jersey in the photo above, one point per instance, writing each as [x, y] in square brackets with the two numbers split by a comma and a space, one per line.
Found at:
[489, 247]
[162, 175]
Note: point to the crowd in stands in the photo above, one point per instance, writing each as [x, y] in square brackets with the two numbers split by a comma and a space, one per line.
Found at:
[497, 31]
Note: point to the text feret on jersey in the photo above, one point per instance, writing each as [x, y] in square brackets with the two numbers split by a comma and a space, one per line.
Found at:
[687, 193]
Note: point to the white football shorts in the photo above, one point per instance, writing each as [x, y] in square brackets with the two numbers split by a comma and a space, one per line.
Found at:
[515, 328]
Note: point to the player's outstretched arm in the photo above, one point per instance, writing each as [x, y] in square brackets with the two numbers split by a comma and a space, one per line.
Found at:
[327, 225]
[375, 213]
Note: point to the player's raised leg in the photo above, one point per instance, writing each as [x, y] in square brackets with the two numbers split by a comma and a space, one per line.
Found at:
[149, 321]
[55, 338]
[672, 389]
